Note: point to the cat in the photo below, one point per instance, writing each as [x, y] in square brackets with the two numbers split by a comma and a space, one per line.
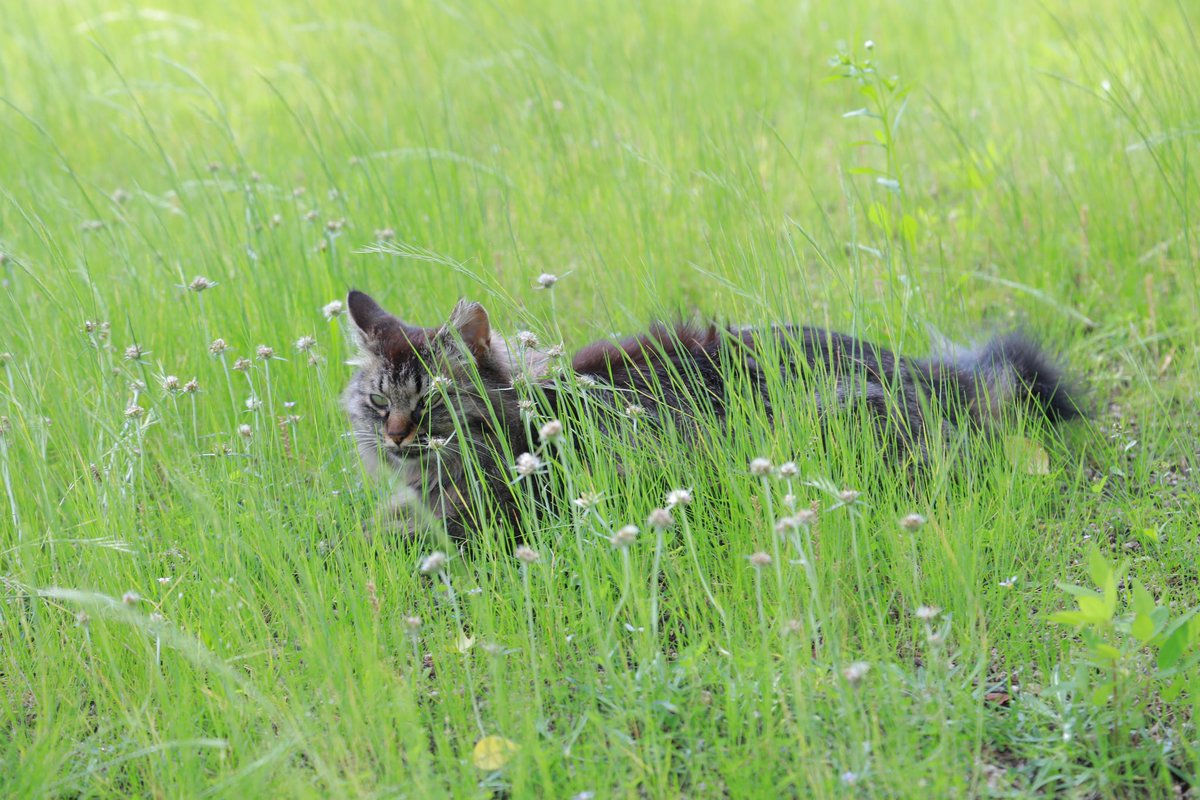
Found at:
[444, 410]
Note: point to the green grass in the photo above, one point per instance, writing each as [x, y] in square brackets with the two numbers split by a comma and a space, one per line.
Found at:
[1037, 166]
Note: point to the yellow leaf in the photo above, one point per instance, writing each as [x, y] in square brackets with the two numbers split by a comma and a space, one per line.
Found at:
[465, 643]
[493, 752]
[1027, 454]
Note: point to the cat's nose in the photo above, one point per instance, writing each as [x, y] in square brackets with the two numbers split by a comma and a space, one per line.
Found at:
[400, 428]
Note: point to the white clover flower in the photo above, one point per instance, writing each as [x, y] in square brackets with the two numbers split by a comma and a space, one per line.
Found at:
[253, 403]
[134, 352]
[848, 496]
[805, 516]
[242, 365]
[527, 339]
[305, 343]
[788, 469]
[547, 280]
[550, 431]
[191, 387]
[635, 411]
[759, 559]
[527, 464]
[433, 563]
[437, 443]
[200, 284]
[624, 537]
[760, 466]
[265, 353]
[245, 431]
[384, 234]
[134, 411]
[927, 613]
[660, 518]
[912, 522]
[679, 497]
[1008, 583]
[333, 309]
[217, 347]
[587, 500]
[170, 383]
[527, 554]
[856, 672]
[131, 598]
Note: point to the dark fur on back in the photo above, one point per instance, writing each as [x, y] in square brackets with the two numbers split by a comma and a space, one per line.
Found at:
[437, 406]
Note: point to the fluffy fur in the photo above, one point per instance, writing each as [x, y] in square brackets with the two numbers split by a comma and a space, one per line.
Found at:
[437, 406]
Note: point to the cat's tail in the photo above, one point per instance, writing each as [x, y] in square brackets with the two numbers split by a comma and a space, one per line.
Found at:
[1008, 372]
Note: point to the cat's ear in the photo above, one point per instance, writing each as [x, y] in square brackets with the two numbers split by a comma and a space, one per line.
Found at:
[374, 324]
[369, 316]
[470, 321]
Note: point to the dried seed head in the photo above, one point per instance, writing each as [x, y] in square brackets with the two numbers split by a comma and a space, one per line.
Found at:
[526, 554]
[624, 537]
[912, 522]
[242, 365]
[856, 672]
[550, 431]
[927, 613]
[200, 284]
[760, 559]
[305, 343]
[134, 352]
[333, 309]
[760, 467]
[131, 598]
[217, 347]
[265, 353]
[433, 563]
[547, 280]
[527, 464]
[679, 497]
[660, 518]
[527, 339]
[245, 431]
[788, 469]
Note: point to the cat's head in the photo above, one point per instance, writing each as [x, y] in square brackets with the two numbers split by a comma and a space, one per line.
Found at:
[415, 384]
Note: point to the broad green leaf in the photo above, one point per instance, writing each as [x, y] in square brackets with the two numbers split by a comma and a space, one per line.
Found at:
[1069, 618]
[1078, 591]
[1142, 627]
[1106, 652]
[1172, 648]
[1099, 696]
[1095, 608]
[1143, 601]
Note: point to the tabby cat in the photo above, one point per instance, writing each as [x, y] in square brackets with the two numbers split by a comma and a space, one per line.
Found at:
[441, 409]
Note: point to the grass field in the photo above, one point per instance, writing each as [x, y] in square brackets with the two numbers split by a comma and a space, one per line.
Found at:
[189, 606]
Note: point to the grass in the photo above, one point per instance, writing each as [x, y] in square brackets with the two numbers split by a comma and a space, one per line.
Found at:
[190, 608]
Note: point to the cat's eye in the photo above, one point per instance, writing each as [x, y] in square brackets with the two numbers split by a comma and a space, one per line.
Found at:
[379, 401]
